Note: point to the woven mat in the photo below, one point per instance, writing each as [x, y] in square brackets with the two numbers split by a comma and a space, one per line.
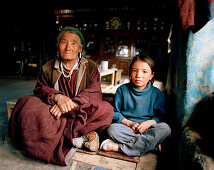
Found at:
[85, 151]
[116, 155]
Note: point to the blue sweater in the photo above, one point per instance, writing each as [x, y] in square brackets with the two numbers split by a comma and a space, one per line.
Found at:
[139, 105]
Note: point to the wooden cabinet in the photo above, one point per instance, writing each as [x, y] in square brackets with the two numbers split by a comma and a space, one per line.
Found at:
[117, 34]
[116, 48]
[119, 47]
[124, 65]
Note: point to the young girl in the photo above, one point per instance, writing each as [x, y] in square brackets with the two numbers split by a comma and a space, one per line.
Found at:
[139, 112]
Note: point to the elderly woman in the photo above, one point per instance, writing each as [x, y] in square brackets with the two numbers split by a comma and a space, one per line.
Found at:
[67, 111]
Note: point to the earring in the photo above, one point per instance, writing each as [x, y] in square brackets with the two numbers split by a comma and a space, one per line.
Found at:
[57, 54]
[80, 55]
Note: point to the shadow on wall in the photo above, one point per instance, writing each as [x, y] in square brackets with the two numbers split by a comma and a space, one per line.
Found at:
[201, 121]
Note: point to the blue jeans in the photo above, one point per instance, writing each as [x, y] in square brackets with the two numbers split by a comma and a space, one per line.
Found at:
[133, 144]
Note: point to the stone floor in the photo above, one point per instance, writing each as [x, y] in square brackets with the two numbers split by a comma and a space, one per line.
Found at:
[12, 88]
[10, 158]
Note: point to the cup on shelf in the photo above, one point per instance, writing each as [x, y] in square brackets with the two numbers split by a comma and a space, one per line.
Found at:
[104, 65]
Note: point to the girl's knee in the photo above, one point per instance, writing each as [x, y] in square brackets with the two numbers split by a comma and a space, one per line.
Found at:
[112, 130]
[115, 130]
[166, 128]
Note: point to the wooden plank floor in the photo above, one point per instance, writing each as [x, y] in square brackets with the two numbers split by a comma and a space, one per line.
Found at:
[106, 162]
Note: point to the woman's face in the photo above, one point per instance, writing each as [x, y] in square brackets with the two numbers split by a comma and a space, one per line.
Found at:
[141, 73]
[69, 46]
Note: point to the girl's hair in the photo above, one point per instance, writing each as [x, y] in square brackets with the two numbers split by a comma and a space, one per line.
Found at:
[145, 58]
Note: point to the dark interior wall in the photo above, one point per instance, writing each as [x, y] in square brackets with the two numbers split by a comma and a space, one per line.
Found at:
[31, 25]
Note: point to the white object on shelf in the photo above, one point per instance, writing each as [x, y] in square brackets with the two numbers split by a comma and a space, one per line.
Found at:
[104, 65]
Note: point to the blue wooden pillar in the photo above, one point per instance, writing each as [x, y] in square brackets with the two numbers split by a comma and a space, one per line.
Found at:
[191, 71]
[199, 67]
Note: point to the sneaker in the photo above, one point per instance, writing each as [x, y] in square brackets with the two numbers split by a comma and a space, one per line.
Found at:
[78, 142]
[109, 145]
[92, 141]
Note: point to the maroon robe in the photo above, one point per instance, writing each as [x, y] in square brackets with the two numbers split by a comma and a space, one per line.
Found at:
[34, 129]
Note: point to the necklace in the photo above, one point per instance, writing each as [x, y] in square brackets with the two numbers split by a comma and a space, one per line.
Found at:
[76, 65]
[69, 74]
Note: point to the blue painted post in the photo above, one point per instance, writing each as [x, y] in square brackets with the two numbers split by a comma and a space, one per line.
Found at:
[200, 67]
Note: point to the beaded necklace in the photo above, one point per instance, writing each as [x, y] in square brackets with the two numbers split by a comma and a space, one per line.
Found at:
[76, 65]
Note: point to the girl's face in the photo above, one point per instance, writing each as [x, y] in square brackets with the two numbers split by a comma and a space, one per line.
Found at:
[141, 73]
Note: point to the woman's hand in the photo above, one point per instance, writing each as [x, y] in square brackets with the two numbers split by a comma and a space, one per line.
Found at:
[55, 111]
[64, 103]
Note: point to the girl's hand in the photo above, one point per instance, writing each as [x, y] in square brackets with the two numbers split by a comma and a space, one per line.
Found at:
[65, 103]
[55, 111]
[145, 126]
[134, 126]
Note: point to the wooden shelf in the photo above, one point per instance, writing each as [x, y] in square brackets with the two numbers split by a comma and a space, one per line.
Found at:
[107, 86]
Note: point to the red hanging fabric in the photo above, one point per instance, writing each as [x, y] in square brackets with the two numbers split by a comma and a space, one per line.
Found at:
[195, 13]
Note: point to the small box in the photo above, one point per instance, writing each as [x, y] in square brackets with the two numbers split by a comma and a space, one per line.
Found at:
[10, 106]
